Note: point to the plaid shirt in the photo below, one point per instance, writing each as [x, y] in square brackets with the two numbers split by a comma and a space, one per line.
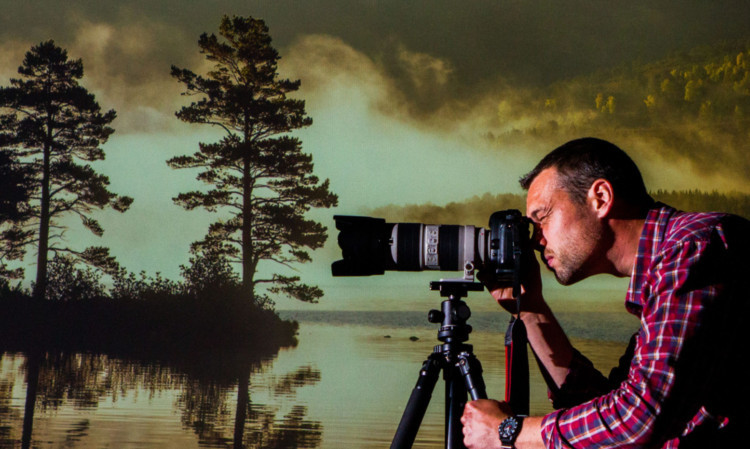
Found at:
[679, 365]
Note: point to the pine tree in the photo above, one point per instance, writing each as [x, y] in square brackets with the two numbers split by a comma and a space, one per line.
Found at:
[15, 185]
[54, 126]
[260, 179]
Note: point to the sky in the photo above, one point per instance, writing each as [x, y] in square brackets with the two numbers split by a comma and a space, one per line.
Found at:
[401, 94]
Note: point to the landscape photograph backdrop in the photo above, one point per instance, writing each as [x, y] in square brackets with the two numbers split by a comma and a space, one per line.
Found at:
[411, 111]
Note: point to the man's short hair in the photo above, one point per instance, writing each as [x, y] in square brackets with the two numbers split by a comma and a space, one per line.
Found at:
[580, 162]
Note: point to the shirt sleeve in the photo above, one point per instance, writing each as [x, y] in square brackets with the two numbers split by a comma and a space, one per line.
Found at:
[679, 285]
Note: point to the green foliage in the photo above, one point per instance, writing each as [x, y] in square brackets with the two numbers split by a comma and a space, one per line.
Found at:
[54, 126]
[260, 180]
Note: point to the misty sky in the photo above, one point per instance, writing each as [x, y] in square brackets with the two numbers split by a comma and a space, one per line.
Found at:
[401, 92]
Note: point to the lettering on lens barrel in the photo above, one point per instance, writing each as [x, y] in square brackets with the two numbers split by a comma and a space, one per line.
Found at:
[371, 246]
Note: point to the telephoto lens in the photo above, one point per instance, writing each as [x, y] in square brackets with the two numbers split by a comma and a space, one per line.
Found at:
[372, 246]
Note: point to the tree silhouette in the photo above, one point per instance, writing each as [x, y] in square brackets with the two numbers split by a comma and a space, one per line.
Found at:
[52, 124]
[259, 176]
[208, 274]
[15, 184]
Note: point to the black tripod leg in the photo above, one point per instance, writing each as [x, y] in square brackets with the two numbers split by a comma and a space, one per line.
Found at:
[457, 388]
[418, 402]
[455, 400]
[471, 369]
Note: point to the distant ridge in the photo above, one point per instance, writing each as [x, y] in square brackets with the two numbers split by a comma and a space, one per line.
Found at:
[477, 209]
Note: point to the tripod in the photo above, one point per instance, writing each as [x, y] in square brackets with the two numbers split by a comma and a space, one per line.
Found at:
[462, 371]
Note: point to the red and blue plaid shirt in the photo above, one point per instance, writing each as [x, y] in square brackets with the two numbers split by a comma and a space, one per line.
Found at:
[678, 382]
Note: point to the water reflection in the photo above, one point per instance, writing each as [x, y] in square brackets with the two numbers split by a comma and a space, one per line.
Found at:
[211, 396]
[343, 386]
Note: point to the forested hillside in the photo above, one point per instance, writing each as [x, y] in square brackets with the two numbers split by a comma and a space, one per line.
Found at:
[692, 107]
[477, 210]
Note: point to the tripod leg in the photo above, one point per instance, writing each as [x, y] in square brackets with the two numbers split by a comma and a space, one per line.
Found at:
[471, 369]
[455, 400]
[456, 392]
[418, 402]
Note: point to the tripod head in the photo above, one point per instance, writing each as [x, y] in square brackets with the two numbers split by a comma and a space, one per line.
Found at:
[456, 288]
[454, 312]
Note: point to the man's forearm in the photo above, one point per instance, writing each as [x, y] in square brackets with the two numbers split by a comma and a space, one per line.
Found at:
[549, 342]
[547, 338]
[481, 419]
[531, 434]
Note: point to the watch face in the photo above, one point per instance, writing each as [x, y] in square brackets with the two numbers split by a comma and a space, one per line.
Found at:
[508, 429]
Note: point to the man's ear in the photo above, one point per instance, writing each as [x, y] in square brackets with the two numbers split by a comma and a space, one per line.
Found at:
[601, 197]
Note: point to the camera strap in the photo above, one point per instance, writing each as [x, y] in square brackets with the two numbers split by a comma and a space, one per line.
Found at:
[517, 367]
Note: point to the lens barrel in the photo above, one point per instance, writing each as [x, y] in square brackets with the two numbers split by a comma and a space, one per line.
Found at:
[371, 246]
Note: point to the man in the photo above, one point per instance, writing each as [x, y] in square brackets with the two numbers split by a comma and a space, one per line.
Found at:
[679, 384]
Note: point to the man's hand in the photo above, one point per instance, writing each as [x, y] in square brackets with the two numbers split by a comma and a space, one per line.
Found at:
[480, 421]
[531, 286]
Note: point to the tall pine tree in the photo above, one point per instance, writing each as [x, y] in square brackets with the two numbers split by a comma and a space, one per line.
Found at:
[54, 126]
[260, 179]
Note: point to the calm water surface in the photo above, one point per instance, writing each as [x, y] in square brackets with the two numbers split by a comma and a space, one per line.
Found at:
[344, 386]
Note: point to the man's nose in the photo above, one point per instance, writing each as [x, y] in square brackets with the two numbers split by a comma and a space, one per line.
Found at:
[537, 239]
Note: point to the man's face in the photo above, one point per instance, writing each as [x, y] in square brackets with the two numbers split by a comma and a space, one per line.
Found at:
[567, 233]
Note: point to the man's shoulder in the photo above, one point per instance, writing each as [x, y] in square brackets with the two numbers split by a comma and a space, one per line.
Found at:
[703, 226]
[698, 225]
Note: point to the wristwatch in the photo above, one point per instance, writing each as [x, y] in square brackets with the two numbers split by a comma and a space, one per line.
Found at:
[508, 431]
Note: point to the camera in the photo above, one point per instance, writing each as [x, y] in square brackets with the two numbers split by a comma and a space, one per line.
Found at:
[370, 246]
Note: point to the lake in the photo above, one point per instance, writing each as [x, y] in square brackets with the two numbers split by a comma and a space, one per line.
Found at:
[345, 385]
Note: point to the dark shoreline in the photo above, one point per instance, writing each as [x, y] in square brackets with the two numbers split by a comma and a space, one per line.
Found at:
[172, 328]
